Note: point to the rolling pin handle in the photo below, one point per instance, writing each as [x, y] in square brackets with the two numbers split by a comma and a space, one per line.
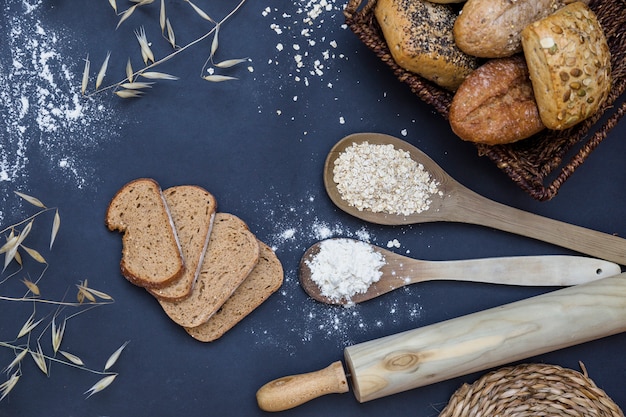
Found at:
[291, 391]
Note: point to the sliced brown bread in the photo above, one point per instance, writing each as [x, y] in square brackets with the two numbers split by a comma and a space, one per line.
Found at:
[151, 253]
[264, 280]
[232, 253]
[192, 209]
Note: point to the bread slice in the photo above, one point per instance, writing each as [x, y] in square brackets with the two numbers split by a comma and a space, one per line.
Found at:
[193, 210]
[264, 280]
[232, 253]
[151, 253]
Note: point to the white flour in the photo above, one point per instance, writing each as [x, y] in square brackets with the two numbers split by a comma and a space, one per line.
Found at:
[42, 110]
[345, 267]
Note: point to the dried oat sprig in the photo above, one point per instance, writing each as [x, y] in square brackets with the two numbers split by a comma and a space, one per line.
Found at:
[103, 70]
[171, 37]
[25, 343]
[146, 52]
[85, 79]
[201, 12]
[115, 356]
[101, 385]
[131, 10]
[166, 27]
[9, 384]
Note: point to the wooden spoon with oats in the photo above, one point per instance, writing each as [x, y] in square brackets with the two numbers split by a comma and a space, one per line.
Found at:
[452, 202]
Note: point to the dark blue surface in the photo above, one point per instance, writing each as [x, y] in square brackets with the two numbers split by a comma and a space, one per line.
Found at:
[258, 144]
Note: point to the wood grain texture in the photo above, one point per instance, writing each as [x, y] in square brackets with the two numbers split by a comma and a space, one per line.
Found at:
[459, 204]
[399, 271]
[488, 338]
[292, 391]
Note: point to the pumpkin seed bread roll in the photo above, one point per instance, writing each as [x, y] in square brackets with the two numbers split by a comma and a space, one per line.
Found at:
[419, 36]
[570, 65]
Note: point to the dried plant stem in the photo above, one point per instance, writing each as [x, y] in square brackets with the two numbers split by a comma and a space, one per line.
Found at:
[59, 303]
[27, 219]
[175, 53]
[54, 359]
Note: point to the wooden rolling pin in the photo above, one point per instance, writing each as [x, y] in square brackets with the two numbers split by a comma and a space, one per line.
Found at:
[463, 345]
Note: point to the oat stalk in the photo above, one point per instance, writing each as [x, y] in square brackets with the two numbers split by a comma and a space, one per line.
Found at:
[30, 345]
[147, 70]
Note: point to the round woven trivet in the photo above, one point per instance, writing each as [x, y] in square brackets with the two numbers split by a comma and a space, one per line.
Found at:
[532, 390]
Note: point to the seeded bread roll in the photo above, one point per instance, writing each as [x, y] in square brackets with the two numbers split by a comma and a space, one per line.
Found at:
[570, 65]
[232, 253]
[263, 281]
[492, 28]
[419, 36]
[151, 253]
[495, 104]
[192, 209]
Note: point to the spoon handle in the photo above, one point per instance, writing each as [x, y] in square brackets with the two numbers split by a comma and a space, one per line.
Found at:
[483, 211]
[551, 270]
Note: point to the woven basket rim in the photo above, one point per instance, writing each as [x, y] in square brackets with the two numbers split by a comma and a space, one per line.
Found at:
[532, 389]
[537, 164]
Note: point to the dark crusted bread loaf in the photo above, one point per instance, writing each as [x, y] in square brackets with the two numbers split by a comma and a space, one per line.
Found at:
[570, 65]
[232, 253]
[495, 104]
[263, 281]
[151, 253]
[419, 36]
[192, 209]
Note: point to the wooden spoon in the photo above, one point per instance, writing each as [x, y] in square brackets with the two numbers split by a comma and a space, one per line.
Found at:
[459, 204]
[398, 271]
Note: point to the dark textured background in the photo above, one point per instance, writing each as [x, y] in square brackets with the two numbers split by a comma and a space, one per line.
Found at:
[261, 152]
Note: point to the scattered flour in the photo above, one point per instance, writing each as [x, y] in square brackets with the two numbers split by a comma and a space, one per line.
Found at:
[42, 109]
[296, 228]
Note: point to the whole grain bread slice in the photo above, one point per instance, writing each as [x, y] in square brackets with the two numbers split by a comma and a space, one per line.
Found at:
[151, 253]
[264, 280]
[193, 210]
[232, 253]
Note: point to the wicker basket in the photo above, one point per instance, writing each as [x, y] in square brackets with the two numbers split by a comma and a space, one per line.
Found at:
[532, 390]
[534, 162]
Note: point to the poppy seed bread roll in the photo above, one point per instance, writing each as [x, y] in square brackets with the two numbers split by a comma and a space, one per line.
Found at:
[570, 65]
[419, 36]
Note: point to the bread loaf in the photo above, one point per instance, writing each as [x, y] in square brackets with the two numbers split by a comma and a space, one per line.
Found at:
[192, 209]
[570, 65]
[232, 253]
[419, 36]
[492, 28]
[263, 281]
[495, 104]
[151, 253]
